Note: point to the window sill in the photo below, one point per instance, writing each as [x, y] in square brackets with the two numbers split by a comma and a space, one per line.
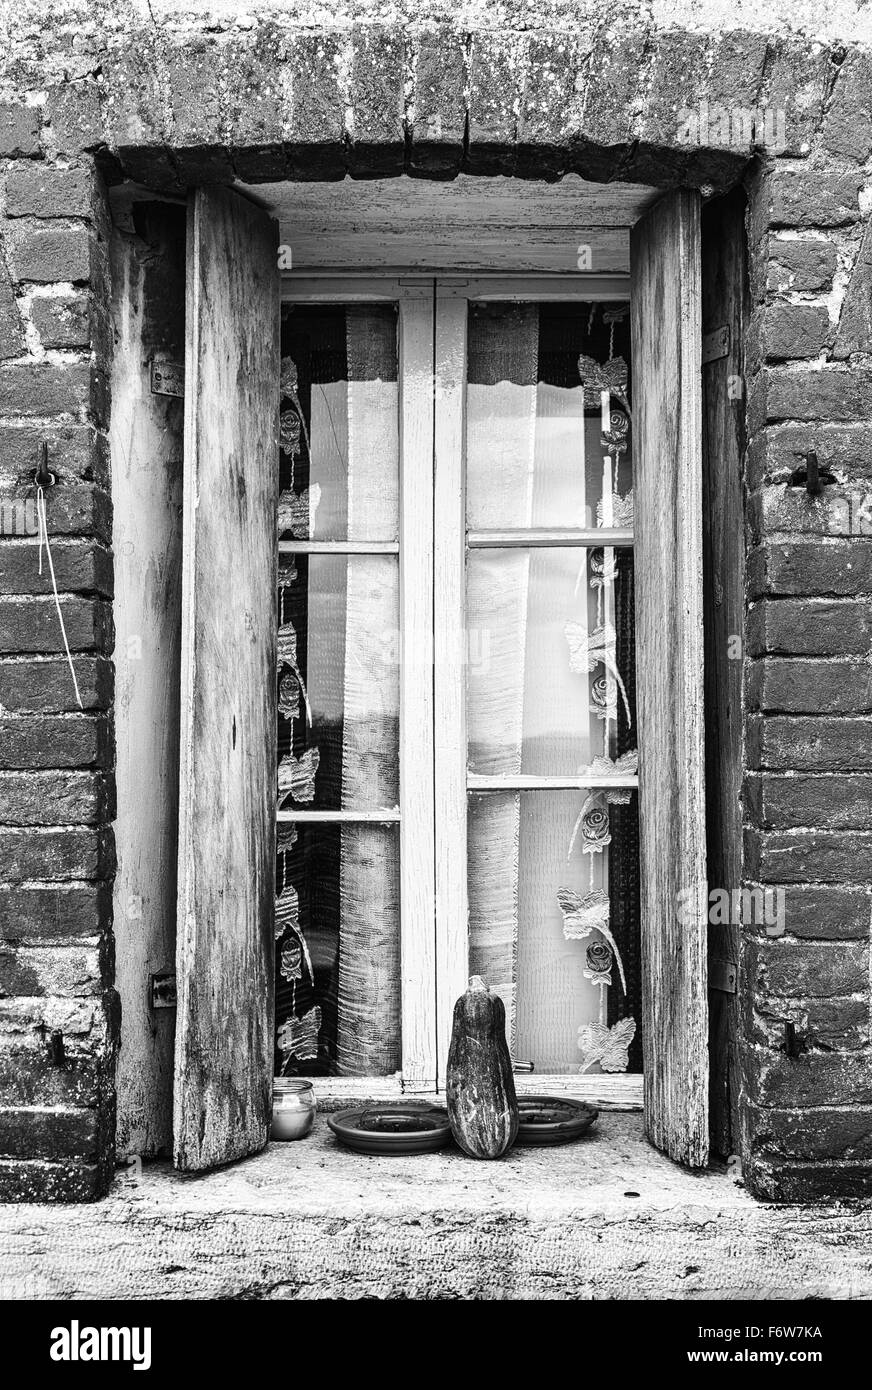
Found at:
[309, 1219]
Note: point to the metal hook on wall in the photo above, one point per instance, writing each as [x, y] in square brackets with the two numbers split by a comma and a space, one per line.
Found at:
[42, 476]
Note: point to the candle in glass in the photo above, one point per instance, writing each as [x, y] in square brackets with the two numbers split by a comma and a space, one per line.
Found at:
[293, 1110]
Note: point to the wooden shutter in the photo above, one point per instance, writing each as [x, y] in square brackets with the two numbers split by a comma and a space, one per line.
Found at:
[224, 1051]
[666, 393]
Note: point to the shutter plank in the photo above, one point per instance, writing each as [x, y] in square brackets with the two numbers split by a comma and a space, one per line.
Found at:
[223, 1065]
[724, 295]
[665, 297]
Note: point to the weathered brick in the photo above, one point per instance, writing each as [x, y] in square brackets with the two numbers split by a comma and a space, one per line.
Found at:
[552, 100]
[805, 969]
[12, 340]
[839, 1023]
[792, 393]
[377, 99]
[805, 1182]
[801, 856]
[55, 1134]
[493, 67]
[315, 121]
[35, 1180]
[62, 321]
[812, 1079]
[829, 801]
[677, 79]
[438, 129]
[78, 511]
[154, 167]
[46, 254]
[855, 320]
[810, 198]
[70, 512]
[33, 914]
[31, 625]
[55, 798]
[55, 854]
[44, 684]
[797, 82]
[831, 566]
[192, 67]
[793, 686]
[836, 511]
[827, 914]
[79, 565]
[778, 450]
[30, 1076]
[79, 740]
[36, 190]
[810, 627]
[134, 108]
[45, 388]
[847, 127]
[615, 73]
[75, 452]
[256, 97]
[800, 265]
[819, 744]
[813, 1133]
[74, 114]
[67, 971]
[19, 130]
[794, 330]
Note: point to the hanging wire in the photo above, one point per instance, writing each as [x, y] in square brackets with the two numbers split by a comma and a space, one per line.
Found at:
[43, 541]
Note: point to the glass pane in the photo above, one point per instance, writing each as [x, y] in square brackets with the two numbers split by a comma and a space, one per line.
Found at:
[554, 930]
[338, 682]
[339, 465]
[547, 416]
[337, 950]
[550, 680]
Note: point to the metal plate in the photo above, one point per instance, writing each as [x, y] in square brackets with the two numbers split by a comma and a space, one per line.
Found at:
[392, 1129]
[553, 1119]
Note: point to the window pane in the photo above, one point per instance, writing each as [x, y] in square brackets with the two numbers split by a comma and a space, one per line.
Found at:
[550, 665]
[337, 950]
[556, 932]
[547, 416]
[338, 682]
[339, 475]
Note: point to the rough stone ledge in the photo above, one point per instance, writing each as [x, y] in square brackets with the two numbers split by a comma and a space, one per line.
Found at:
[311, 1220]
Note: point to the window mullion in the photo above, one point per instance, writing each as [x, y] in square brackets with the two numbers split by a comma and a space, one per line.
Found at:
[417, 811]
[450, 663]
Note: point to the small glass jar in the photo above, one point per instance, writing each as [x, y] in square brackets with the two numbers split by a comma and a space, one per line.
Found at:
[293, 1108]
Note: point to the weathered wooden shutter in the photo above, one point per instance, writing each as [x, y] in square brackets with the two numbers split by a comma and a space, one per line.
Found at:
[223, 1067]
[666, 393]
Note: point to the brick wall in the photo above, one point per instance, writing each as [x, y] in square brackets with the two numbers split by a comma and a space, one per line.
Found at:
[56, 791]
[808, 800]
[545, 91]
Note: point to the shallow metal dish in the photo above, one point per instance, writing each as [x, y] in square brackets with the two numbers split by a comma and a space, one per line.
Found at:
[553, 1119]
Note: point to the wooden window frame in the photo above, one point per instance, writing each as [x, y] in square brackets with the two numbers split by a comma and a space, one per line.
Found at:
[432, 547]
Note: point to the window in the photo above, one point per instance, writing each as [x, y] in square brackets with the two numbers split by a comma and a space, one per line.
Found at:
[503, 425]
[442, 464]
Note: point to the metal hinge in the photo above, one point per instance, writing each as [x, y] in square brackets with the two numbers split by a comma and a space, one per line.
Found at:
[163, 991]
[167, 378]
[722, 975]
[716, 344]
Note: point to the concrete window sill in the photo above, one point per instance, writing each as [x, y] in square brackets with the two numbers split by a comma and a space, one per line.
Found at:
[606, 1217]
